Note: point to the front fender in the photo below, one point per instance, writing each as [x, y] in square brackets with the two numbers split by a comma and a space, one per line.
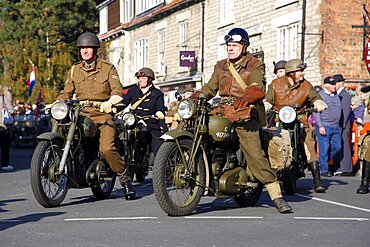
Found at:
[176, 133]
[49, 136]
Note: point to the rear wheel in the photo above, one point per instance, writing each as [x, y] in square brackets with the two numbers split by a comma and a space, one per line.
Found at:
[178, 187]
[48, 187]
[250, 197]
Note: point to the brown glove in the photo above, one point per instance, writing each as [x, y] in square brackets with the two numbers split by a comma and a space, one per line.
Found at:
[252, 94]
[195, 95]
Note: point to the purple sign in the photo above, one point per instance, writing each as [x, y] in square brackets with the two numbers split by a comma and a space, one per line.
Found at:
[187, 59]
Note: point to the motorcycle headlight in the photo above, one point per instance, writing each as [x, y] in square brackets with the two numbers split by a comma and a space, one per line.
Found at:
[187, 108]
[129, 119]
[59, 110]
[287, 114]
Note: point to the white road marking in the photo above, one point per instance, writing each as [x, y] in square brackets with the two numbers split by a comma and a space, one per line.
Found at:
[223, 217]
[335, 203]
[330, 218]
[111, 218]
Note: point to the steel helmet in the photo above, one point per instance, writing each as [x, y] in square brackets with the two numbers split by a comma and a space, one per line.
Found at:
[294, 65]
[148, 72]
[88, 40]
[238, 35]
[279, 65]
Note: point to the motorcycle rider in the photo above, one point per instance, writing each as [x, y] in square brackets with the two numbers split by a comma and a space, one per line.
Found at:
[149, 100]
[96, 82]
[279, 68]
[239, 80]
[295, 91]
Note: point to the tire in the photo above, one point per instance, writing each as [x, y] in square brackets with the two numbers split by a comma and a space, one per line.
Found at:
[250, 197]
[103, 190]
[177, 190]
[49, 189]
[289, 180]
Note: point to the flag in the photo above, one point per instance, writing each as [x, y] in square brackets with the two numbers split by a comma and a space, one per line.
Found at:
[32, 81]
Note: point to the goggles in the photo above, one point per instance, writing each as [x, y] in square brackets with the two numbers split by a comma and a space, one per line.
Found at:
[140, 74]
[235, 37]
[302, 66]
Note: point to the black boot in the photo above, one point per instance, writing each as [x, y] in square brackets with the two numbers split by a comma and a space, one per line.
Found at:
[128, 188]
[364, 186]
[282, 206]
[314, 167]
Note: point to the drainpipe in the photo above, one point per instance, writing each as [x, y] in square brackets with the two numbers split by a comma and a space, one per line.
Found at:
[202, 45]
[303, 28]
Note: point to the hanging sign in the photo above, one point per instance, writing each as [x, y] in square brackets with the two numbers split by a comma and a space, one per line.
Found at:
[187, 59]
[367, 55]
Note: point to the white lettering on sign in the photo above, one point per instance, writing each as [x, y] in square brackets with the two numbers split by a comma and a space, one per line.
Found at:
[189, 57]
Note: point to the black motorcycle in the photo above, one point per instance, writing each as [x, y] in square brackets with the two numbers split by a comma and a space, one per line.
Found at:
[134, 145]
[24, 130]
[288, 122]
[199, 158]
[68, 157]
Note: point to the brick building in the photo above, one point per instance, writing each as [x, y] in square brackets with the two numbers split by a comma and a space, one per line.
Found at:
[155, 33]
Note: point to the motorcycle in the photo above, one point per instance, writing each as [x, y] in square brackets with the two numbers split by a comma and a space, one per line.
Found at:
[288, 122]
[24, 129]
[68, 157]
[134, 145]
[201, 158]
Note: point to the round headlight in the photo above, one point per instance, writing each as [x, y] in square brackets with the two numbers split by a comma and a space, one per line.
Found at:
[187, 108]
[287, 114]
[128, 119]
[59, 110]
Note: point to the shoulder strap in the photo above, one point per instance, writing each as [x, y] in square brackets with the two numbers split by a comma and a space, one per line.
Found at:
[137, 103]
[73, 67]
[237, 76]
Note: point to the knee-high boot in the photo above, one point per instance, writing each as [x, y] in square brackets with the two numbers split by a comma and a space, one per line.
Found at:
[314, 167]
[364, 186]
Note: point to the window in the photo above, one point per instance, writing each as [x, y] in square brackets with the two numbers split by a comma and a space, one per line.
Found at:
[226, 12]
[183, 25]
[144, 5]
[126, 10]
[287, 39]
[161, 48]
[113, 14]
[103, 28]
[141, 53]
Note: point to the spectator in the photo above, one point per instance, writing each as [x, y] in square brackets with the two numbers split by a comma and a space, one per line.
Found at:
[327, 126]
[358, 110]
[343, 160]
[5, 102]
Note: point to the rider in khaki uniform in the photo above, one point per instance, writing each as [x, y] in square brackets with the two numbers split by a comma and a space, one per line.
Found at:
[239, 80]
[293, 90]
[95, 81]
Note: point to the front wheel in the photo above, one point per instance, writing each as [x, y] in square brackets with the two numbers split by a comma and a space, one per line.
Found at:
[289, 180]
[178, 186]
[48, 187]
[104, 180]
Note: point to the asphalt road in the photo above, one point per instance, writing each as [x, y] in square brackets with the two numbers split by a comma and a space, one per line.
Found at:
[339, 217]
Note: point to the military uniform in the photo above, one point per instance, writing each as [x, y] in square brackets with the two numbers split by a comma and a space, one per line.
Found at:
[250, 118]
[152, 103]
[299, 95]
[97, 85]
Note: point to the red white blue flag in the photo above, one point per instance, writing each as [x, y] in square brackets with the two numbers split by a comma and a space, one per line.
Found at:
[32, 81]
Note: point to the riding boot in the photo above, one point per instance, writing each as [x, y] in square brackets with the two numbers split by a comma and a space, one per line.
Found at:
[314, 167]
[364, 186]
[275, 194]
[128, 188]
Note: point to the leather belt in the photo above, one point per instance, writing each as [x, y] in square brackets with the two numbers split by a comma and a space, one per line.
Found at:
[90, 102]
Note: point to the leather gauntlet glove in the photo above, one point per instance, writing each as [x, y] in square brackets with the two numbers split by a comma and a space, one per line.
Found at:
[320, 105]
[252, 94]
[106, 106]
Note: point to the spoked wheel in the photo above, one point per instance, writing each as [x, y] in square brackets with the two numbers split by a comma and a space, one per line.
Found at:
[250, 197]
[48, 187]
[177, 186]
[104, 178]
[289, 179]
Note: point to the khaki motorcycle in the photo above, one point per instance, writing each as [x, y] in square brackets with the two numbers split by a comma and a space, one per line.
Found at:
[68, 157]
[201, 158]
